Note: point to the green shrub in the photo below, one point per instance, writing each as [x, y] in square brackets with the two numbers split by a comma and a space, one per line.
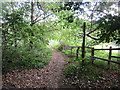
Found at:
[26, 58]
[86, 72]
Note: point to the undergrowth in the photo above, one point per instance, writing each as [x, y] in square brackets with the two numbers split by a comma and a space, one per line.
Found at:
[88, 72]
[25, 57]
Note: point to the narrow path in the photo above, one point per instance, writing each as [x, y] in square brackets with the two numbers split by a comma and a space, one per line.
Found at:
[55, 69]
[51, 76]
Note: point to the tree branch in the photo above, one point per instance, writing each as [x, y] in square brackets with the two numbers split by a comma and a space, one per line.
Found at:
[100, 11]
[93, 30]
[37, 17]
[39, 6]
[42, 19]
[54, 30]
[100, 37]
[92, 13]
[93, 37]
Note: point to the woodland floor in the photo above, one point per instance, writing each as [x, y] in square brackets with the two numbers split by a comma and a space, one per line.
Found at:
[51, 76]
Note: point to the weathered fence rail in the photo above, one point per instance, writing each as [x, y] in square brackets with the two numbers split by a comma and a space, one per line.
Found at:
[107, 60]
[93, 51]
[109, 49]
[115, 57]
[109, 57]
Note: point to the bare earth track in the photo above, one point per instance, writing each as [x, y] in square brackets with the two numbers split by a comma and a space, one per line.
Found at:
[51, 76]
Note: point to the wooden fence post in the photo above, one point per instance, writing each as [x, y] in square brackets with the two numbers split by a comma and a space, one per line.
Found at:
[71, 50]
[110, 53]
[92, 55]
[83, 43]
[77, 51]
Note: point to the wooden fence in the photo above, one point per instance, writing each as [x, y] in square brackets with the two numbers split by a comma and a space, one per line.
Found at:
[92, 53]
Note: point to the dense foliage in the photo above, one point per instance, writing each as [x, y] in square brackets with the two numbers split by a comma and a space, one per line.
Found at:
[70, 16]
[32, 30]
[110, 29]
[28, 27]
[23, 46]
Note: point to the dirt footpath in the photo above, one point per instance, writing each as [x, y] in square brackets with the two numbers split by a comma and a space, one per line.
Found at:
[51, 76]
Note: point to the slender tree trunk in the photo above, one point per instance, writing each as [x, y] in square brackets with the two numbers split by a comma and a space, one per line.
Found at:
[118, 59]
[32, 10]
[32, 21]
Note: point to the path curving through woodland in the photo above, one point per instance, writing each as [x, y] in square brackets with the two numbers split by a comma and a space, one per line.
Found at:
[51, 76]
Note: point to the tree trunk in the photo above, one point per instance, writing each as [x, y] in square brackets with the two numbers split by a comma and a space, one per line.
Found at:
[32, 21]
[32, 10]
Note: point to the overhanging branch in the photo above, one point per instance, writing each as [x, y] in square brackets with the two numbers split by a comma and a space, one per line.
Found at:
[93, 37]
[42, 19]
[100, 37]
[93, 30]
